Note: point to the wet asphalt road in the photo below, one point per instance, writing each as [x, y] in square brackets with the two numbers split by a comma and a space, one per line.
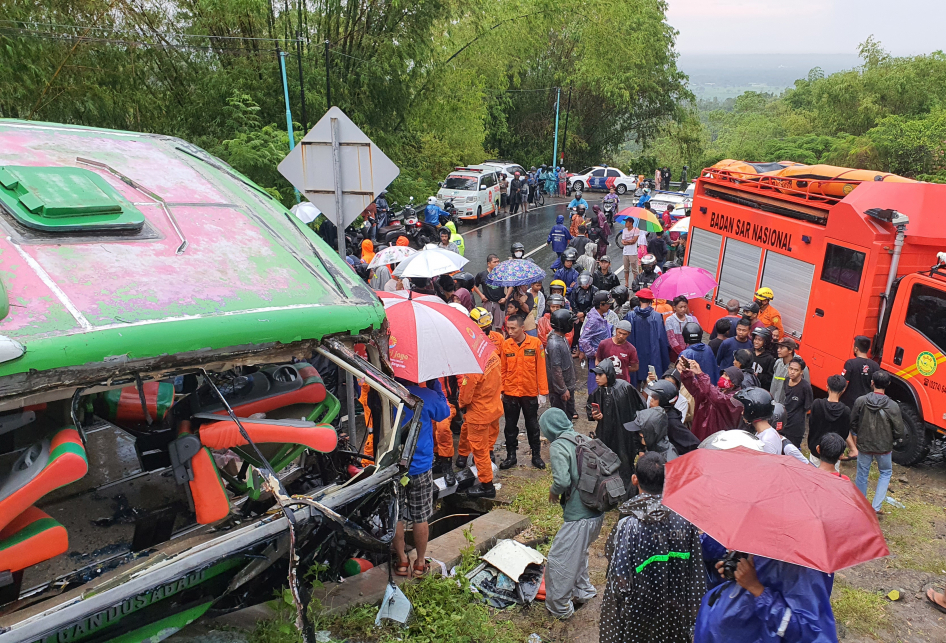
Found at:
[497, 235]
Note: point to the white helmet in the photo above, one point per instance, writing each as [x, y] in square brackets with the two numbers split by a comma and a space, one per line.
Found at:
[431, 200]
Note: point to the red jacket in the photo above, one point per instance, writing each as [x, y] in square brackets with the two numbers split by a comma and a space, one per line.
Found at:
[714, 410]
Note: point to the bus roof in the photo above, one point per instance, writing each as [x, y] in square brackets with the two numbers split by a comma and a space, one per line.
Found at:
[204, 259]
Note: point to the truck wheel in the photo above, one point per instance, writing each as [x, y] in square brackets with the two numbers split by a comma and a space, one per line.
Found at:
[621, 189]
[916, 440]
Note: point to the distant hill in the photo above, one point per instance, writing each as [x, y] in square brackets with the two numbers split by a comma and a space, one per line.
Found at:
[728, 75]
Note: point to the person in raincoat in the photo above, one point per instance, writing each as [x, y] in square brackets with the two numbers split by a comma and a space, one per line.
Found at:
[714, 409]
[617, 404]
[367, 251]
[559, 236]
[649, 337]
[655, 578]
[587, 260]
[551, 182]
[594, 330]
[699, 352]
[652, 424]
[455, 238]
[769, 600]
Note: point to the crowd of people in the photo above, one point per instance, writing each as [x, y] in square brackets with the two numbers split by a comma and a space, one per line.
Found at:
[657, 386]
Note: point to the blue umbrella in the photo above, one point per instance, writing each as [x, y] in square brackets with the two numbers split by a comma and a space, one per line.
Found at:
[515, 272]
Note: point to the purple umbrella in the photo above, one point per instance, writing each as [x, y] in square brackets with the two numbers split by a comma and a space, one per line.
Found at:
[687, 281]
[515, 272]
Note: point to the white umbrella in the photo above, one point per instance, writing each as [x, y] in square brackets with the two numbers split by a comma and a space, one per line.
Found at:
[392, 254]
[429, 263]
[306, 212]
[683, 225]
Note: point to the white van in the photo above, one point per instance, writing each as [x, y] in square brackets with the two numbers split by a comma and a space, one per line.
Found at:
[474, 191]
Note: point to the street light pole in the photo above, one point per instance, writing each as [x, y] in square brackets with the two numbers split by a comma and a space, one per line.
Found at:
[558, 100]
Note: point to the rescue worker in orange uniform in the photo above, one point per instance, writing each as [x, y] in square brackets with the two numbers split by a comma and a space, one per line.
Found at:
[768, 315]
[525, 388]
[484, 319]
[443, 435]
[481, 402]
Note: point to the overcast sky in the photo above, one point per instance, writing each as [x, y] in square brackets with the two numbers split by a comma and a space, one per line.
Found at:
[807, 26]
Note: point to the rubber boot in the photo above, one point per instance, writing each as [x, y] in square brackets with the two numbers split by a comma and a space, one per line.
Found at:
[537, 460]
[461, 461]
[509, 462]
[482, 491]
[447, 469]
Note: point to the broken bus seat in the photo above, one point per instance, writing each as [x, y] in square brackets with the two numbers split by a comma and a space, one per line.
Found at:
[27, 535]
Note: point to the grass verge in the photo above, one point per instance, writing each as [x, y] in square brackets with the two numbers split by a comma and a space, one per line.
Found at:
[912, 536]
[444, 610]
[858, 610]
[531, 498]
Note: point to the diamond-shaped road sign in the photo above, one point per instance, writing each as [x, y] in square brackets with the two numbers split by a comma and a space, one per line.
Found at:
[363, 169]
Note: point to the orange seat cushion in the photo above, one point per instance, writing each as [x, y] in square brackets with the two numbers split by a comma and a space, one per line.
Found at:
[311, 392]
[31, 538]
[210, 498]
[67, 463]
[226, 434]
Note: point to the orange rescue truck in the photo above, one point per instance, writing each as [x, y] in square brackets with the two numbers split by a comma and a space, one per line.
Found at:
[847, 252]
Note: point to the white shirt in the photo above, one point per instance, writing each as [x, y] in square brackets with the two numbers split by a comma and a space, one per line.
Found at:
[771, 441]
[682, 404]
[627, 235]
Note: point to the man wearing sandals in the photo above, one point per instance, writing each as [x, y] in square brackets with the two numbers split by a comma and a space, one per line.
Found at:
[416, 497]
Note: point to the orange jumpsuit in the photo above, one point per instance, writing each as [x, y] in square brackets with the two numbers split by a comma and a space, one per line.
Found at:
[443, 436]
[481, 401]
[771, 317]
[497, 339]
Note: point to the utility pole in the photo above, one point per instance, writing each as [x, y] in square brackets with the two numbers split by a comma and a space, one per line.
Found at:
[568, 109]
[328, 81]
[285, 89]
[558, 99]
[305, 119]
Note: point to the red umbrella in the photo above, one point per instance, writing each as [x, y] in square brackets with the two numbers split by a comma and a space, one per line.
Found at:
[774, 506]
[431, 339]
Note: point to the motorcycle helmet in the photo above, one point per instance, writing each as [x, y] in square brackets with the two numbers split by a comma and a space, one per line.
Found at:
[555, 300]
[584, 279]
[532, 169]
[692, 333]
[464, 280]
[778, 417]
[665, 392]
[620, 295]
[649, 261]
[646, 190]
[431, 200]
[570, 254]
[600, 297]
[482, 317]
[557, 284]
[577, 194]
[562, 320]
[521, 249]
[757, 403]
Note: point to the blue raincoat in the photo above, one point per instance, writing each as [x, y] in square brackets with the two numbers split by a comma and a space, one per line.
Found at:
[703, 355]
[595, 330]
[432, 214]
[578, 203]
[551, 182]
[649, 337]
[644, 199]
[435, 409]
[559, 236]
[730, 614]
[568, 275]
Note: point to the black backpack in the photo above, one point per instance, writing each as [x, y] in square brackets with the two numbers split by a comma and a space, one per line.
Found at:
[599, 485]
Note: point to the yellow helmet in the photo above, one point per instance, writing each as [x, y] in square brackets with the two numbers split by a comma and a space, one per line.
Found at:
[482, 317]
[765, 293]
[559, 283]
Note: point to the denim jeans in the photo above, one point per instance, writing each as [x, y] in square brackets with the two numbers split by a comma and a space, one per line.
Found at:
[885, 464]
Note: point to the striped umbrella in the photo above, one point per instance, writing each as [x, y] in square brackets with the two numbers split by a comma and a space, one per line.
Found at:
[646, 220]
[431, 339]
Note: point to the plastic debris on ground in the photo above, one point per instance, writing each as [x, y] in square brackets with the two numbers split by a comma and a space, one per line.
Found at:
[395, 606]
[510, 575]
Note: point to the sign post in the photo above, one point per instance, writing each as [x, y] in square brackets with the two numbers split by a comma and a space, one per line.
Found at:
[339, 169]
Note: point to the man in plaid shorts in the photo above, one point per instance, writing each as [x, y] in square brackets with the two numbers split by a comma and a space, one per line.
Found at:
[416, 501]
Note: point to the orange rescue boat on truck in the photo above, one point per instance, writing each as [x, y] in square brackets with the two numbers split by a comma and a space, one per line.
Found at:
[846, 252]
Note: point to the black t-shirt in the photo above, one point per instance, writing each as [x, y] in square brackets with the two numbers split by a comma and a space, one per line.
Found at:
[492, 293]
[798, 400]
[658, 247]
[714, 345]
[857, 372]
[827, 417]
[764, 368]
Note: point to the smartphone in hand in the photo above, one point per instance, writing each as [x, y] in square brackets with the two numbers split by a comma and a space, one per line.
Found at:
[595, 408]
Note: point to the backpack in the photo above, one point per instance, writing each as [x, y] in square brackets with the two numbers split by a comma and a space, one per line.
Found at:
[599, 485]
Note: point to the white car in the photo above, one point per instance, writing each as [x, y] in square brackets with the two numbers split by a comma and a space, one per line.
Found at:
[505, 167]
[681, 201]
[600, 177]
[474, 191]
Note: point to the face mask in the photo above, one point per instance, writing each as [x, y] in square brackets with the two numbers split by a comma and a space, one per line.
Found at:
[723, 382]
[517, 254]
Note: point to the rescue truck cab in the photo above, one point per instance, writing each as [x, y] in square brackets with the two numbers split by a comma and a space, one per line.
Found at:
[846, 252]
